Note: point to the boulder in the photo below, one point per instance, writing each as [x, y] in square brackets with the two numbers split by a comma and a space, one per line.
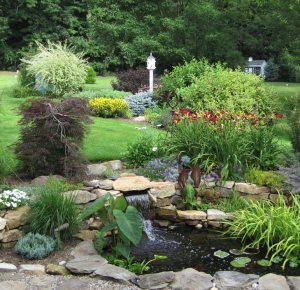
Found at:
[2, 223]
[190, 279]
[86, 264]
[157, 280]
[131, 183]
[57, 270]
[81, 196]
[115, 273]
[215, 215]
[191, 215]
[18, 217]
[84, 248]
[273, 282]
[95, 169]
[32, 269]
[233, 280]
[12, 236]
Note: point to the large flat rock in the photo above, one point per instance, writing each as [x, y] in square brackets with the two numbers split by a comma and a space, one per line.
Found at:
[86, 264]
[131, 183]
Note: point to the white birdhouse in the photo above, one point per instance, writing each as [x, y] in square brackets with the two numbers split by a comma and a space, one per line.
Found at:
[151, 61]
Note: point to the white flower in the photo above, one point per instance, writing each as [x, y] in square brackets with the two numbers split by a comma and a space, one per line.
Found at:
[154, 149]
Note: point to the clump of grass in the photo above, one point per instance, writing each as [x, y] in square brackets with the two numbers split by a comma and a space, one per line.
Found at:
[50, 208]
[274, 226]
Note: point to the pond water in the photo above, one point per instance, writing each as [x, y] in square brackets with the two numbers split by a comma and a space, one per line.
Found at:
[187, 247]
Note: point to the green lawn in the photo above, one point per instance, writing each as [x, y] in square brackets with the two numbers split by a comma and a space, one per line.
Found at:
[284, 90]
[107, 139]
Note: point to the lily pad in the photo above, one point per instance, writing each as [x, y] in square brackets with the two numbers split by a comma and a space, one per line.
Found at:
[243, 260]
[240, 262]
[236, 264]
[236, 252]
[263, 262]
[277, 259]
[221, 254]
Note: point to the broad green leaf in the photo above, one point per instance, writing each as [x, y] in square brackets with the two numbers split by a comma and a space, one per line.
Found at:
[130, 223]
[124, 249]
[108, 227]
[120, 203]
[95, 206]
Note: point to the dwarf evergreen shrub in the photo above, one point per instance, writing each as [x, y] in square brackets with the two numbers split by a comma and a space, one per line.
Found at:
[139, 102]
[35, 246]
[90, 76]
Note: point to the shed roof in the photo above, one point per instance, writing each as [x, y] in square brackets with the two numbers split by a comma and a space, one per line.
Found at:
[256, 62]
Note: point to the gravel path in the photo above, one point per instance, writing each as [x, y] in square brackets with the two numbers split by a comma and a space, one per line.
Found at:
[20, 281]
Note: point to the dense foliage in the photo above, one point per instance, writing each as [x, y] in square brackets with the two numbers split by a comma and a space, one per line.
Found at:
[209, 87]
[138, 103]
[131, 80]
[51, 135]
[107, 107]
[119, 34]
[224, 142]
[35, 246]
[56, 67]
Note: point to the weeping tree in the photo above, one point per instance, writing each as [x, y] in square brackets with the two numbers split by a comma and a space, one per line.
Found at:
[57, 67]
[52, 134]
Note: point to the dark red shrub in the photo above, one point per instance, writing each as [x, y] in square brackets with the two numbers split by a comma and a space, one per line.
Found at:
[51, 135]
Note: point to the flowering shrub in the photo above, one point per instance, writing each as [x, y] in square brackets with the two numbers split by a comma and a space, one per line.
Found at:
[225, 142]
[106, 107]
[12, 199]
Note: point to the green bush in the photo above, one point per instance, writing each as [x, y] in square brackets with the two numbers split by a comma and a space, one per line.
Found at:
[35, 246]
[271, 72]
[160, 117]
[222, 88]
[90, 76]
[264, 178]
[52, 134]
[293, 118]
[142, 150]
[182, 76]
[57, 66]
[50, 208]
[103, 93]
[24, 92]
[105, 107]
[24, 79]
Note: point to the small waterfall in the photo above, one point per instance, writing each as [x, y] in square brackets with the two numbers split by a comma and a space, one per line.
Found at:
[141, 203]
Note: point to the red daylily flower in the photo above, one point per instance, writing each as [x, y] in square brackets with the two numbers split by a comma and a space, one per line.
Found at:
[279, 115]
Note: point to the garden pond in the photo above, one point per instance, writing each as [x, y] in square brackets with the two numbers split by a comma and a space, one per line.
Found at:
[187, 247]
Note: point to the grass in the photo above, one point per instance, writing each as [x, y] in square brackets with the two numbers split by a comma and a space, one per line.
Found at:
[107, 139]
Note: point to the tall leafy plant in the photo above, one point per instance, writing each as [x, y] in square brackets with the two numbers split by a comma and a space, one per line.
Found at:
[58, 67]
[125, 227]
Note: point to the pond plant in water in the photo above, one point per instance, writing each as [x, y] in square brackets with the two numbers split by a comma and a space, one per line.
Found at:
[125, 226]
[275, 226]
